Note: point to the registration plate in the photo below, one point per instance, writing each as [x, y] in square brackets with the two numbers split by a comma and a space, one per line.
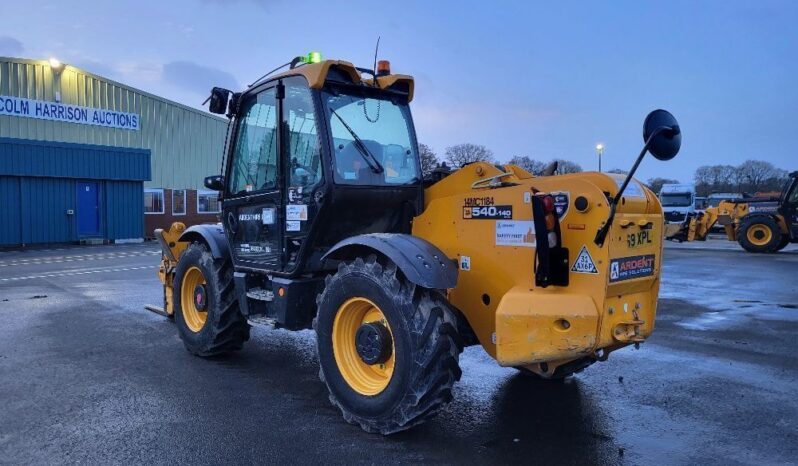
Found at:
[639, 239]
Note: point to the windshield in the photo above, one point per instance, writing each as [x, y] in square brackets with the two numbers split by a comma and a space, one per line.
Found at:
[372, 140]
[676, 199]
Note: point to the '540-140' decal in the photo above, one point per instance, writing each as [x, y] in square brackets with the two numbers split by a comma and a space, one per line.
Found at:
[493, 212]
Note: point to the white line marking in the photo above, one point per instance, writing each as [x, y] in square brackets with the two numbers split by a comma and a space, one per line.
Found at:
[62, 259]
[84, 272]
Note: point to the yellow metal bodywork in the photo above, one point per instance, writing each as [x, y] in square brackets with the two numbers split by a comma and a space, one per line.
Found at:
[316, 75]
[171, 249]
[517, 322]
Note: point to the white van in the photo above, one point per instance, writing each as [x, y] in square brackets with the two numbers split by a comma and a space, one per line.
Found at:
[678, 200]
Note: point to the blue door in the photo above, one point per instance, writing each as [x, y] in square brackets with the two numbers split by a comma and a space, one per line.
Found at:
[88, 208]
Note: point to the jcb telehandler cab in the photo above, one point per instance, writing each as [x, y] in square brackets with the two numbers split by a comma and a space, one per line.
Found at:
[326, 224]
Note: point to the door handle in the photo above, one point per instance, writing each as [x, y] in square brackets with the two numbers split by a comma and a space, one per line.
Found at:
[232, 223]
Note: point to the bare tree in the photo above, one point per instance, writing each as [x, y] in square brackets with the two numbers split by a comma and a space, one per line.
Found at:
[655, 184]
[566, 166]
[428, 159]
[532, 166]
[463, 154]
[761, 176]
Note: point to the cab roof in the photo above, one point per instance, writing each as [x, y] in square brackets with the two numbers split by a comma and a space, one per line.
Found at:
[318, 73]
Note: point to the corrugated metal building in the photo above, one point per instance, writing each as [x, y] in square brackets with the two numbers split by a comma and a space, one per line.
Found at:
[86, 158]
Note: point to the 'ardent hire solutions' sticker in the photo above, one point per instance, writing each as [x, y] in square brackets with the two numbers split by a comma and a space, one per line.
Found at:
[292, 225]
[627, 268]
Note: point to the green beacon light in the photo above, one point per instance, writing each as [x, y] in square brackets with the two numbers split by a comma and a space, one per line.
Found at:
[313, 57]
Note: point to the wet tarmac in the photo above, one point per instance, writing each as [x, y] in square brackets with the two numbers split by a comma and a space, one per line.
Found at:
[88, 376]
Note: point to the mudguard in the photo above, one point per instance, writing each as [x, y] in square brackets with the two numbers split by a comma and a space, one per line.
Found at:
[418, 259]
[212, 235]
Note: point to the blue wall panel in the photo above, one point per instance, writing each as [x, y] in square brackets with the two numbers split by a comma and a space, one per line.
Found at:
[43, 211]
[124, 209]
[21, 157]
[10, 228]
[37, 189]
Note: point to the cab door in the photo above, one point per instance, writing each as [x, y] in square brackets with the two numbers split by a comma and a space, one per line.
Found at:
[253, 207]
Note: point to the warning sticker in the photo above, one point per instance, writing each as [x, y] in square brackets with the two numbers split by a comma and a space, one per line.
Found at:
[296, 212]
[584, 263]
[465, 263]
[627, 268]
[515, 233]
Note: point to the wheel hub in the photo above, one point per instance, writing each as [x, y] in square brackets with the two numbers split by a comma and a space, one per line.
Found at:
[200, 297]
[373, 343]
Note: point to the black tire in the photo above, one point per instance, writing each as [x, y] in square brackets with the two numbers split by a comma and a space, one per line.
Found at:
[225, 328]
[785, 240]
[754, 225]
[427, 347]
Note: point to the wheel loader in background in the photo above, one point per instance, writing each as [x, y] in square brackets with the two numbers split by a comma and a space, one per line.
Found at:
[326, 224]
[759, 225]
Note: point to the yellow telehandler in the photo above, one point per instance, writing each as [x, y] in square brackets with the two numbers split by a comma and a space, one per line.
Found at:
[327, 223]
[760, 225]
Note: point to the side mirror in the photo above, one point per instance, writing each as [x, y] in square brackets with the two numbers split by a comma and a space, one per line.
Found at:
[219, 98]
[663, 139]
[667, 135]
[550, 168]
[214, 183]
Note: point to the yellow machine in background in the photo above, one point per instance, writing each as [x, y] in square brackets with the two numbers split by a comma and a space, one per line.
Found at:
[759, 225]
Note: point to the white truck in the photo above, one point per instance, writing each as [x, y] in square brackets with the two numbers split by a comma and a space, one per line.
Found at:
[678, 200]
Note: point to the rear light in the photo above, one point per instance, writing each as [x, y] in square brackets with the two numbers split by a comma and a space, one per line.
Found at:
[551, 259]
[548, 204]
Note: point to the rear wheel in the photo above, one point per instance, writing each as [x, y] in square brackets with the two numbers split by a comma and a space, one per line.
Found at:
[760, 234]
[785, 240]
[388, 350]
[206, 309]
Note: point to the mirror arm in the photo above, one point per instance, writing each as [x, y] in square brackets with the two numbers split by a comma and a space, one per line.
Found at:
[601, 234]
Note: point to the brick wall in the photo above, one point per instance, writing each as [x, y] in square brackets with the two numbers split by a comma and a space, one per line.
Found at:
[164, 220]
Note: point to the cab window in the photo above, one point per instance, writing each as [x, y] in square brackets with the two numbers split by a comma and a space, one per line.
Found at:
[385, 153]
[254, 164]
[302, 147]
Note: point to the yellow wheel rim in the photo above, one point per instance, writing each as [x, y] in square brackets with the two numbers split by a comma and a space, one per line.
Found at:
[193, 316]
[759, 235]
[365, 379]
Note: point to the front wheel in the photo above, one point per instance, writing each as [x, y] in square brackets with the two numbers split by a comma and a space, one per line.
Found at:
[760, 234]
[388, 350]
[206, 309]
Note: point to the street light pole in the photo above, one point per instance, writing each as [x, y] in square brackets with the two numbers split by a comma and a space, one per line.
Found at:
[599, 151]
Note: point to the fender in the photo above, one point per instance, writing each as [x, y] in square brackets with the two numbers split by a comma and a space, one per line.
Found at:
[776, 216]
[418, 259]
[212, 235]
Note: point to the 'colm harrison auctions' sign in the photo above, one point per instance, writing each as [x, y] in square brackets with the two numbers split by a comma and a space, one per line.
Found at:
[42, 110]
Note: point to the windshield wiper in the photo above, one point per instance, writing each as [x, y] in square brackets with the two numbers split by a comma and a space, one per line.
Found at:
[371, 161]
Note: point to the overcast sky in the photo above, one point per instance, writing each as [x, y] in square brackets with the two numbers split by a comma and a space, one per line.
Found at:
[523, 78]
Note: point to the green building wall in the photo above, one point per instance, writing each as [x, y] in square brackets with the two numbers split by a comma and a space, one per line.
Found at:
[185, 144]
